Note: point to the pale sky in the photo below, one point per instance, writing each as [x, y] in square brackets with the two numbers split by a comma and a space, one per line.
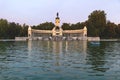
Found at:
[34, 12]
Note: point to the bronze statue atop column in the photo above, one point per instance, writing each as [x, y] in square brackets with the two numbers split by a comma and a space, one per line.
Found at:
[57, 14]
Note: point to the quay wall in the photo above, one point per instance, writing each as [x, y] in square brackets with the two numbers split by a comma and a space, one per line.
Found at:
[110, 40]
[58, 38]
[21, 38]
[63, 38]
[93, 38]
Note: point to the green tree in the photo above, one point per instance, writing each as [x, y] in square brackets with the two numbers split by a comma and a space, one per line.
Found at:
[24, 30]
[96, 23]
[110, 31]
[117, 30]
[66, 26]
[13, 30]
[45, 26]
[3, 28]
[77, 26]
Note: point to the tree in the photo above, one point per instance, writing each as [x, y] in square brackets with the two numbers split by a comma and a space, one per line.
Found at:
[65, 26]
[24, 30]
[3, 28]
[68, 26]
[77, 26]
[45, 26]
[109, 31]
[117, 30]
[13, 30]
[96, 23]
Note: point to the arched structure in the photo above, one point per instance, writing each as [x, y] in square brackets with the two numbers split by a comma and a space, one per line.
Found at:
[57, 33]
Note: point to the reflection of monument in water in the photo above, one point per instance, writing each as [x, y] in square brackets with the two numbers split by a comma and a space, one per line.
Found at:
[58, 46]
[59, 49]
[57, 33]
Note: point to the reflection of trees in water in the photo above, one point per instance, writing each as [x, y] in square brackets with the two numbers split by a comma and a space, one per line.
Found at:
[2, 47]
[96, 57]
[113, 56]
[5, 45]
[5, 50]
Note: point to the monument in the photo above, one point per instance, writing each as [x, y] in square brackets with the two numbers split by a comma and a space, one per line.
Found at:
[57, 33]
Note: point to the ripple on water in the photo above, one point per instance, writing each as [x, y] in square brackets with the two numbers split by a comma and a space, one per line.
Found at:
[67, 60]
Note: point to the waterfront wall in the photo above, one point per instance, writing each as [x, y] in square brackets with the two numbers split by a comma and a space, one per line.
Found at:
[58, 38]
[110, 40]
[63, 38]
[21, 38]
[93, 38]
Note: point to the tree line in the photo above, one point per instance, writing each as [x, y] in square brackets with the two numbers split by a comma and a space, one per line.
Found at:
[97, 25]
[9, 30]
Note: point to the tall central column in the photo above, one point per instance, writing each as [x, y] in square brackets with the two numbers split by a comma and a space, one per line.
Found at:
[57, 21]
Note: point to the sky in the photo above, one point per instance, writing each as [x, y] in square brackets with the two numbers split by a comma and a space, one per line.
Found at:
[34, 12]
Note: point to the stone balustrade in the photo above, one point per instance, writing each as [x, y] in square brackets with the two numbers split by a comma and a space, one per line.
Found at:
[73, 31]
[41, 31]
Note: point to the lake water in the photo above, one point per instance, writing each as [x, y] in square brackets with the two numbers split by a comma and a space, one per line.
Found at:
[62, 60]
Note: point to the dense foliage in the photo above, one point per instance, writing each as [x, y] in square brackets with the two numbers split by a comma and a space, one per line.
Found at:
[9, 30]
[96, 24]
[66, 26]
[44, 26]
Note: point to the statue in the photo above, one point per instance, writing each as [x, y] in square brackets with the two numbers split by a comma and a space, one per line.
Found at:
[57, 14]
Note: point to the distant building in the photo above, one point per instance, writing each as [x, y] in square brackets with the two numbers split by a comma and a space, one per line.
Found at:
[57, 33]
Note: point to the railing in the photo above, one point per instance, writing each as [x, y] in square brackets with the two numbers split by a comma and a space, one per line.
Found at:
[41, 31]
[73, 31]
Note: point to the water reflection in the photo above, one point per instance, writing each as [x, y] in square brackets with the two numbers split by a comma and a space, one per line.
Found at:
[59, 51]
[59, 46]
[59, 60]
[29, 45]
[103, 59]
[96, 58]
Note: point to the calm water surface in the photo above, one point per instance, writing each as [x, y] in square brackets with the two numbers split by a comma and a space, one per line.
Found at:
[65, 60]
